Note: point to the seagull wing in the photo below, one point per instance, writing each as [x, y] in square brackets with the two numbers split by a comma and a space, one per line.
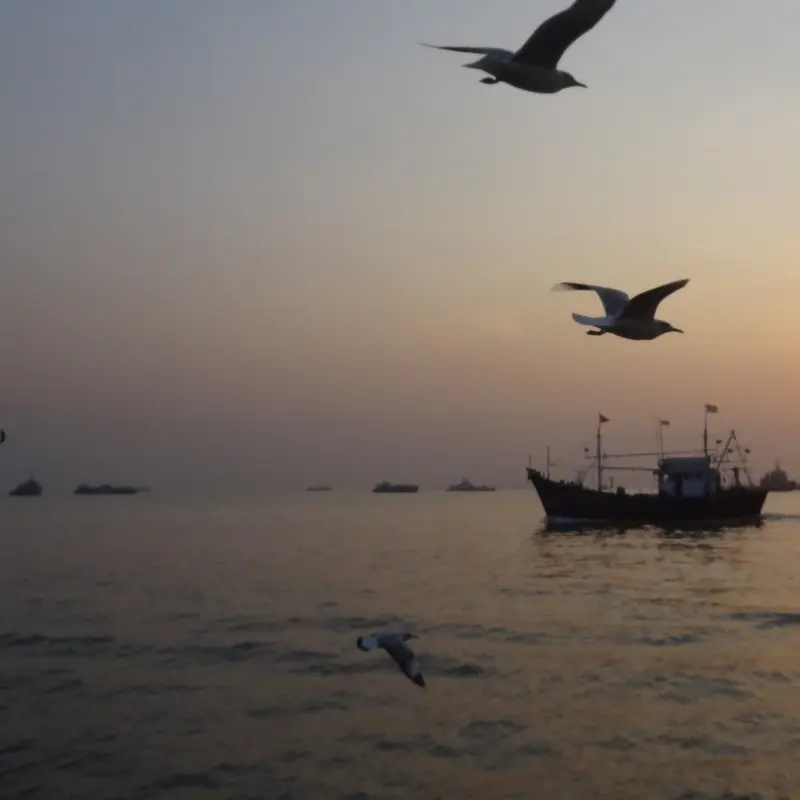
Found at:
[404, 657]
[644, 305]
[597, 322]
[497, 52]
[551, 39]
[614, 301]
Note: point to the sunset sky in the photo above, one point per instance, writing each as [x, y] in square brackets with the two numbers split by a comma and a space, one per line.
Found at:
[276, 242]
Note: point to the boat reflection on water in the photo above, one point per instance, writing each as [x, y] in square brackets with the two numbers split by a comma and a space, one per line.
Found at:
[684, 530]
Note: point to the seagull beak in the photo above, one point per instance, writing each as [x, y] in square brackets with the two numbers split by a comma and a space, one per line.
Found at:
[677, 330]
[582, 85]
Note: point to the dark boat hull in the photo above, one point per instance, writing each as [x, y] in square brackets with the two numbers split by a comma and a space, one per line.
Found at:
[396, 489]
[25, 493]
[29, 488]
[572, 503]
[105, 490]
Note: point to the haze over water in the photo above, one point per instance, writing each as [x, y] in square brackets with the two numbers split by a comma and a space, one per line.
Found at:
[152, 648]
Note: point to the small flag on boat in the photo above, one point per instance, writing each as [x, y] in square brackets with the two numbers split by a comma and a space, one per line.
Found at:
[602, 418]
[664, 422]
[711, 409]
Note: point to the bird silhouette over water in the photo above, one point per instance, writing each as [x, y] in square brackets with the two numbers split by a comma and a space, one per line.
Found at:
[534, 67]
[395, 645]
[630, 318]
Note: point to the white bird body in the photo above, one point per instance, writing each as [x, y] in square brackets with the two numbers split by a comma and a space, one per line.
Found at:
[534, 67]
[395, 645]
[628, 318]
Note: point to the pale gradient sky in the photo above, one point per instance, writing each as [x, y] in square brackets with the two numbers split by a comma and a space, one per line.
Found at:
[277, 242]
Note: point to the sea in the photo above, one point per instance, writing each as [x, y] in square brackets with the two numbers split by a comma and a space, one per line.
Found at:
[164, 647]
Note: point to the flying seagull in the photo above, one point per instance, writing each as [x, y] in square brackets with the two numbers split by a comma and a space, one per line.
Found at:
[630, 318]
[533, 67]
[395, 645]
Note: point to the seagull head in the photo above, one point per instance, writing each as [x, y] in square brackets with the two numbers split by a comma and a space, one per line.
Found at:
[665, 327]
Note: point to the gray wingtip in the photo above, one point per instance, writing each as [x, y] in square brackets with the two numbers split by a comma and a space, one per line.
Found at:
[566, 286]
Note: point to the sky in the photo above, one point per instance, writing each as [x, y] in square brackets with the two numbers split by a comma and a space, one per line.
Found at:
[268, 243]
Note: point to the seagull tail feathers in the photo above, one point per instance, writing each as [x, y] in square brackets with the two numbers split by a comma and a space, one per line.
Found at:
[597, 322]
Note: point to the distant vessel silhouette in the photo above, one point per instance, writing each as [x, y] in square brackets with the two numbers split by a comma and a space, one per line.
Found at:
[466, 486]
[28, 488]
[384, 487]
[777, 480]
[106, 488]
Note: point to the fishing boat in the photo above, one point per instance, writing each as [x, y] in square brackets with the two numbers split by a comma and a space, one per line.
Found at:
[692, 488]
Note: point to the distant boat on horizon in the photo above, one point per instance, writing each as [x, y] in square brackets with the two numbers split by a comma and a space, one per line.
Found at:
[466, 486]
[384, 487]
[28, 488]
[777, 480]
[106, 488]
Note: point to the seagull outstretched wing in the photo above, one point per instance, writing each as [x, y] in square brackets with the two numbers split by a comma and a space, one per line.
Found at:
[644, 305]
[497, 52]
[551, 39]
[614, 300]
[395, 645]
[404, 657]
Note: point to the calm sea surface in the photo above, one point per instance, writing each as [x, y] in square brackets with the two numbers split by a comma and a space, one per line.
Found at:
[154, 648]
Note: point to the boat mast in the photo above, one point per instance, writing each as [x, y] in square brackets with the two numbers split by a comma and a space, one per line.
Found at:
[548, 462]
[600, 420]
[709, 409]
[661, 424]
